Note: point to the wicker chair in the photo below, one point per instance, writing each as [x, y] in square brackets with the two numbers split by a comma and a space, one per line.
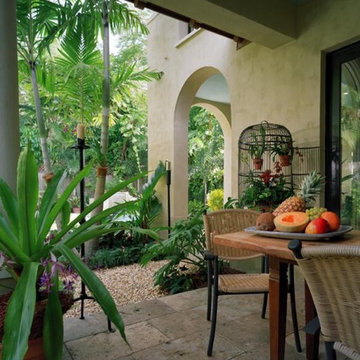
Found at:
[227, 221]
[333, 276]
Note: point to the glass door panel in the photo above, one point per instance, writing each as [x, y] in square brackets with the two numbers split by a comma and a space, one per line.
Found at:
[350, 142]
[342, 155]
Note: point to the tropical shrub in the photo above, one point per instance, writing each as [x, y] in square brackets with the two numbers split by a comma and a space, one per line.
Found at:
[30, 252]
[137, 222]
[267, 189]
[184, 251]
[216, 199]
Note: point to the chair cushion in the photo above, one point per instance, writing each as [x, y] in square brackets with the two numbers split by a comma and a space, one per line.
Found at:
[244, 283]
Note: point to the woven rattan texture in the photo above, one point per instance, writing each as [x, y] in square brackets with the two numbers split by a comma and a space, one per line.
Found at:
[350, 353]
[333, 276]
[244, 283]
[228, 221]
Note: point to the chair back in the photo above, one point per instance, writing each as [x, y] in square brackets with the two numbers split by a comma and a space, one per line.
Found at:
[333, 276]
[228, 221]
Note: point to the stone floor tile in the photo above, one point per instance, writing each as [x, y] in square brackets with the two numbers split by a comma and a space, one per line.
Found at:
[76, 328]
[186, 300]
[66, 355]
[179, 324]
[146, 310]
[248, 332]
[110, 346]
[233, 307]
[189, 348]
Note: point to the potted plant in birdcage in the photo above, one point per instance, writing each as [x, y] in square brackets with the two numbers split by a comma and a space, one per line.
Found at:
[284, 150]
[265, 191]
[30, 251]
[75, 204]
[257, 148]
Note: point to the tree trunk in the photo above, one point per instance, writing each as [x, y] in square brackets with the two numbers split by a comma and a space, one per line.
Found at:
[40, 122]
[92, 245]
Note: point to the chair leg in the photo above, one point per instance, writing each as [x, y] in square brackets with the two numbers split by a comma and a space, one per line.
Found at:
[293, 308]
[209, 281]
[330, 352]
[263, 311]
[214, 308]
[264, 269]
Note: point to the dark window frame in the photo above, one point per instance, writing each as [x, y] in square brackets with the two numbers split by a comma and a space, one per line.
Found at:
[333, 155]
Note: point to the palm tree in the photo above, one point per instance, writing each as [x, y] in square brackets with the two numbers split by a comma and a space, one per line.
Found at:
[79, 74]
[106, 16]
[39, 23]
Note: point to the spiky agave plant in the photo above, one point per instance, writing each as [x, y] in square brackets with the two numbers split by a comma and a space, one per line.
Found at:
[24, 242]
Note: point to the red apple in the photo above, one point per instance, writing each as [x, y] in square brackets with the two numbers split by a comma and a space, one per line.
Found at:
[317, 226]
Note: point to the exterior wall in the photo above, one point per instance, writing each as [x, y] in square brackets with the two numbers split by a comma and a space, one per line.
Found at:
[283, 85]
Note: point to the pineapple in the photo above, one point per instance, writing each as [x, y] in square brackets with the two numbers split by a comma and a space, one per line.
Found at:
[309, 189]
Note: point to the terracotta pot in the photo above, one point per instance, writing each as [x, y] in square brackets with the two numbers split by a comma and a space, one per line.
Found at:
[48, 176]
[101, 170]
[35, 350]
[257, 162]
[76, 210]
[285, 160]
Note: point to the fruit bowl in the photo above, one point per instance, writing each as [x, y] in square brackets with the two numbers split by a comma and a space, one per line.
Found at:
[301, 236]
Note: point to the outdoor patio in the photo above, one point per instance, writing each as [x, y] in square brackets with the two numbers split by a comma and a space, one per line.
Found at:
[175, 327]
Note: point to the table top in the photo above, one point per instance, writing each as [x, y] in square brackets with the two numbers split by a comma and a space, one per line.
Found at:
[278, 247]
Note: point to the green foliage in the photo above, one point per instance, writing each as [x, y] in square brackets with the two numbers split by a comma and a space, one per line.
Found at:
[195, 207]
[232, 203]
[79, 73]
[25, 244]
[69, 77]
[216, 199]
[281, 146]
[206, 147]
[183, 249]
[257, 146]
[147, 209]
[127, 246]
[267, 189]
[108, 258]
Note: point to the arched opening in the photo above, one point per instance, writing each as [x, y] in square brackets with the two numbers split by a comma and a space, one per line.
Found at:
[204, 88]
[205, 157]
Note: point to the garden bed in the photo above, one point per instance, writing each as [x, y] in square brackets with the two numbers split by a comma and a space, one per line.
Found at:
[127, 284]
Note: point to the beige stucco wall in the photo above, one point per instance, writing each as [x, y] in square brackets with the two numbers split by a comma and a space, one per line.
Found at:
[283, 85]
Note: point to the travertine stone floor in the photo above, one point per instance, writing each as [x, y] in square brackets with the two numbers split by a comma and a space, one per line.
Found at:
[175, 327]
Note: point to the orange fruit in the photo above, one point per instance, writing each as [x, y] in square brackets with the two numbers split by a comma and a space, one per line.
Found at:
[332, 219]
[317, 226]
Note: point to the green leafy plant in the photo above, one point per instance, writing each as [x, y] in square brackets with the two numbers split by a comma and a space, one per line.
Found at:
[108, 258]
[147, 208]
[232, 203]
[183, 249]
[27, 245]
[216, 199]
[257, 147]
[282, 147]
[268, 189]
[74, 202]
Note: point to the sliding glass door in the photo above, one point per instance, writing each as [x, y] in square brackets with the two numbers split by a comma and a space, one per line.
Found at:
[343, 134]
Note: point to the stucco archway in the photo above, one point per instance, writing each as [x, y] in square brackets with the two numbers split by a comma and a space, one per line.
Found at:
[186, 99]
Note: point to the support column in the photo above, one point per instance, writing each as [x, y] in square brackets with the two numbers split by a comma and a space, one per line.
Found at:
[9, 103]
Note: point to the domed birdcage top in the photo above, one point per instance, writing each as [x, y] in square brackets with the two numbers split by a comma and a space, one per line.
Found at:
[267, 133]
